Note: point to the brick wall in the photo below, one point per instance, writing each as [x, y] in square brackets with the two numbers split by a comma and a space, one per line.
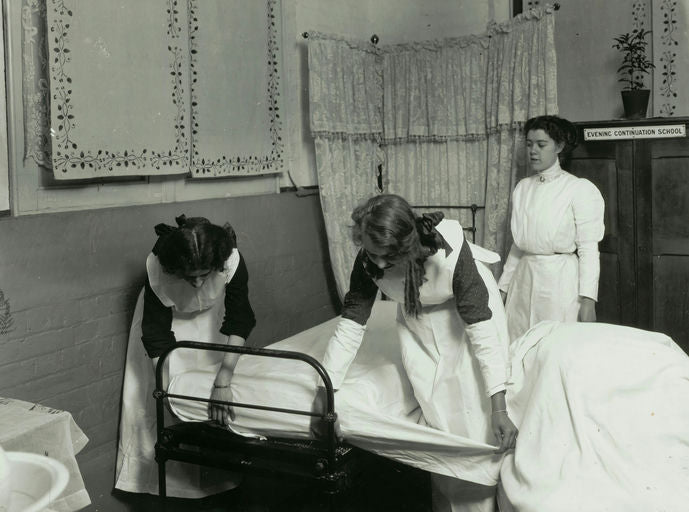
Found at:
[69, 283]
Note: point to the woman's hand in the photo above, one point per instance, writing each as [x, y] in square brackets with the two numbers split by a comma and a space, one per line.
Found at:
[318, 426]
[221, 413]
[504, 430]
[587, 309]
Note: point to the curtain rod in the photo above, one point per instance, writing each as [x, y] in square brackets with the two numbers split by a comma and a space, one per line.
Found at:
[374, 37]
[472, 207]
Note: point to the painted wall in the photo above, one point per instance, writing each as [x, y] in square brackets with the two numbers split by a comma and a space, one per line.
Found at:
[587, 64]
[69, 283]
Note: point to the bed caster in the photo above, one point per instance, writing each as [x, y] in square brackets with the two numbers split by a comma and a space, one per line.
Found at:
[321, 466]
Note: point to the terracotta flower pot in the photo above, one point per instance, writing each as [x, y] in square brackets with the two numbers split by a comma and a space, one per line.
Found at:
[635, 103]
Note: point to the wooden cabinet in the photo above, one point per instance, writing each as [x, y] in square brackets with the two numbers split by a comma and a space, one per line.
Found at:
[645, 252]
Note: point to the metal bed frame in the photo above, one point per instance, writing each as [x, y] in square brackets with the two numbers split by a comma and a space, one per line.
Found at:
[324, 462]
[473, 207]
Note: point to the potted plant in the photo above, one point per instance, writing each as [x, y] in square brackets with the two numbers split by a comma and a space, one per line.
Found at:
[634, 65]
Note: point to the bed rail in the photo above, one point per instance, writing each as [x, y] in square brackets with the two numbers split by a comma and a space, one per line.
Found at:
[326, 469]
[473, 207]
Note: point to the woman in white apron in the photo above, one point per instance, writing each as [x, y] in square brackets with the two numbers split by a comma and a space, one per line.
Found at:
[452, 328]
[196, 290]
[552, 269]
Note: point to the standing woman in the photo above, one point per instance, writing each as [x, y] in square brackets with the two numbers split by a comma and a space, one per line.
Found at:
[451, 325]
[196, 290]
[552, 270]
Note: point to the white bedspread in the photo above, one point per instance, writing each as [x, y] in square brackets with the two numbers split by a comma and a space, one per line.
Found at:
[602, 411]
[375, 405]
[603, 415]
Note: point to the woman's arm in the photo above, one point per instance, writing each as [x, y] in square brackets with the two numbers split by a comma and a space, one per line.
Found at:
[589, 210]
[156, 325]
[238, 323]
[511, 263]
[350, 330]
[239, 317]
[471, 298]
[223, 414]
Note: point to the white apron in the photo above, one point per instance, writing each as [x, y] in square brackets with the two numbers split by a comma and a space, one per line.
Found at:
[197, 316]
[544, 287]
[439, 361]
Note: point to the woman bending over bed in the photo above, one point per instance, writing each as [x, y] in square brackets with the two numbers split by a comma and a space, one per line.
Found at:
[451, 324]
[196, 290]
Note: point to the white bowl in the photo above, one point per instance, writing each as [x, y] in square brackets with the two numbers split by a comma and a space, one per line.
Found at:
[34, 482]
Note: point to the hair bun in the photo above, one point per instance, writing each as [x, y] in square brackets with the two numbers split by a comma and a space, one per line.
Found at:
[163, 229]
[181, 220]
[428, 221]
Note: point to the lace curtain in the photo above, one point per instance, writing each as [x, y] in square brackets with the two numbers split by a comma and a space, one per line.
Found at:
[521, 83]
[454, 112]
[448, 116]
[345, 98]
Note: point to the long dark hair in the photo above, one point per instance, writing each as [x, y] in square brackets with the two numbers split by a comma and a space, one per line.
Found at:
[195, 244]
[559, 129]
[390, 223]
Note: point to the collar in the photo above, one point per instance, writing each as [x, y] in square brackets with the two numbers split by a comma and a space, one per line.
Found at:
[444, 244]
[551, 173]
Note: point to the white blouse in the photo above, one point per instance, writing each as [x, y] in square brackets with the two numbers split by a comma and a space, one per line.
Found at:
[555, 212]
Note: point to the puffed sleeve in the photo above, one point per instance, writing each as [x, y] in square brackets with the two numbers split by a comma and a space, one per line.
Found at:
[589, 210]
[471, 298]
[239, 316]
[350, 330]
[511, 263]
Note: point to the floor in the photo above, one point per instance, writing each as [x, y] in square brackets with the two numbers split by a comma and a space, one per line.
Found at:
[385, 486]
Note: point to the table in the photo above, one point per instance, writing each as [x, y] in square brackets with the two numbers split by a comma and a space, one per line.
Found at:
[34, 428]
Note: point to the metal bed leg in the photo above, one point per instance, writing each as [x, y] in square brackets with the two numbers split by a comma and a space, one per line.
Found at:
[162, 489]
[333, 504]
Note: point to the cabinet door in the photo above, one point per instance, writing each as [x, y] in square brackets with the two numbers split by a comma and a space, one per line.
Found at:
[670, 228]
[609, 165]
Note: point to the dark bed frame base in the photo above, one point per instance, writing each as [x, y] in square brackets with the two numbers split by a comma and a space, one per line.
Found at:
[324, 463]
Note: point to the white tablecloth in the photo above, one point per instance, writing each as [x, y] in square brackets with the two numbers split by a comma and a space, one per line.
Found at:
[34, 428]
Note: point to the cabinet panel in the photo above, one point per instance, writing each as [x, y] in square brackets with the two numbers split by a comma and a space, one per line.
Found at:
[608, 309]
[671, 204]
[671, 297]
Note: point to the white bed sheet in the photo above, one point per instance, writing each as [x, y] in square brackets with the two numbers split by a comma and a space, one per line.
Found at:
[602, 412]
[375, 405]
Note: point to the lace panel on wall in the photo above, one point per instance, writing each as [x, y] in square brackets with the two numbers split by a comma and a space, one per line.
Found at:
[124, 87]
[235, 100]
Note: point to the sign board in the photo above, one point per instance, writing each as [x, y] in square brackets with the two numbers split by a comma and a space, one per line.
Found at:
[664, 131]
